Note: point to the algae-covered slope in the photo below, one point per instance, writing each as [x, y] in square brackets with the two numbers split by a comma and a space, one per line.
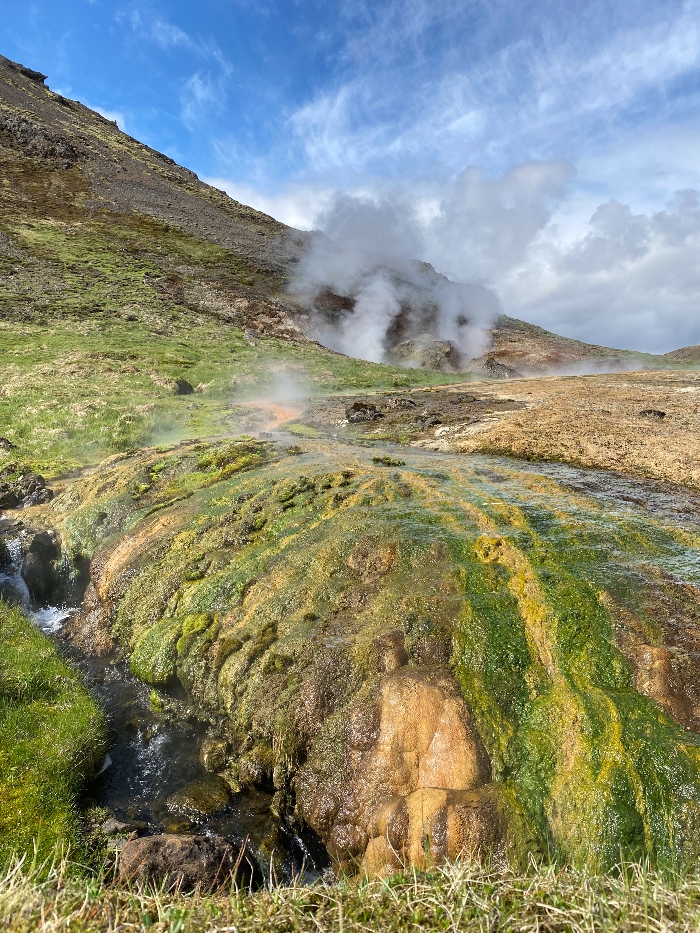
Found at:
[420, 657]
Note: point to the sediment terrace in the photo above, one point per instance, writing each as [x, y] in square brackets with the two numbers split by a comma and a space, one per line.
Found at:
[418, 654]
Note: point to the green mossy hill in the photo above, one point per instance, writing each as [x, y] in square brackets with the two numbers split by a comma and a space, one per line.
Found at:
[271, 595]
[52, 737]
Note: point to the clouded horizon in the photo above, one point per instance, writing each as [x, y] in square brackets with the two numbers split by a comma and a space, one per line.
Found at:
[548, 151]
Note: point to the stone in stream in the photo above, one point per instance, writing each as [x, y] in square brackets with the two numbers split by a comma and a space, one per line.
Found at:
[206, 795]
[37, 570]
[187, 862]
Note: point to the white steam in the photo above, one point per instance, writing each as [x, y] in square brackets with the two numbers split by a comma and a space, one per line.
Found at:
[478, 228]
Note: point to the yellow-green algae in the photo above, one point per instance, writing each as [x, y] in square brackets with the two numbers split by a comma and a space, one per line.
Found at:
[52, 736]
[263, 592]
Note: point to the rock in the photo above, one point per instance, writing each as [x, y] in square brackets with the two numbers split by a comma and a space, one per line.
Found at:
[8, 496]
[427, 352]
[29, 489]
[206, 795]
[213, 753]
[182, 387]
[39, 577]
[362, 411]
[37, 570]
[5, 559]
[6, 444]
[186, 862]
[399, 403]
[115, 827]
[432, 825]
[45, 545]
[38, 497]
[417, 736]
[496, 370]
[264, 434]
[652, 413]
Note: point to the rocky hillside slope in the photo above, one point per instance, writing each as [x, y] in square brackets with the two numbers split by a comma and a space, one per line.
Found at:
[94, 223]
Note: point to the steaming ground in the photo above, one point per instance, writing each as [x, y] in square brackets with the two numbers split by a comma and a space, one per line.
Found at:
[365, 301]
[642, 423]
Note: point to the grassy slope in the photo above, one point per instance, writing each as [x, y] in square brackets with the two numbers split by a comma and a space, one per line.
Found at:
[51, 738]
[88, 341]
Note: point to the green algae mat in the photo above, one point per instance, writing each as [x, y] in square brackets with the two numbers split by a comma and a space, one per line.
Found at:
[286, 588]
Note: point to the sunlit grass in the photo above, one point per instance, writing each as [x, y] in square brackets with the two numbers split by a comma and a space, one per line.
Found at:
[51, 737]
[457, 897]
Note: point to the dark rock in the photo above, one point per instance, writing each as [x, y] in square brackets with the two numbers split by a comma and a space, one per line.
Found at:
[6, 444]
[399, 403]
[427, 352]
[5, 559]
[27, 72]
[497, 370]
[182, 387]
[186, 862]
[31, 489]
[45, 545]
[37, 573]
[8, 496]
[652, 413]
[38, 497]
[264, 434]
[362, 411]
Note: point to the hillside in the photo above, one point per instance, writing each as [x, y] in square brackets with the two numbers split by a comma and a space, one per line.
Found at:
[98, 227]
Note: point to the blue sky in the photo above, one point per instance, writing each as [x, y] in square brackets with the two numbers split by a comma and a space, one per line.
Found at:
[538, 147]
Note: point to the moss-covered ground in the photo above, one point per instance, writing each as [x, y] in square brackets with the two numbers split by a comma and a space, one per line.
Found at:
[52, 736]
[257, 578]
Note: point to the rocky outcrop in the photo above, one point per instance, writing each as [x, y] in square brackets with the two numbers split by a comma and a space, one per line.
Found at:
[413, 760]
[23, 489]
[186, 863]
[427, 352]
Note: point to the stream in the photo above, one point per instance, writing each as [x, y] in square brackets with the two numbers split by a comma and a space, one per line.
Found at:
[152, 756]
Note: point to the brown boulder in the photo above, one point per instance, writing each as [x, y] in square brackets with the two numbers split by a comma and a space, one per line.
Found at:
[413, 759]
[186, 862]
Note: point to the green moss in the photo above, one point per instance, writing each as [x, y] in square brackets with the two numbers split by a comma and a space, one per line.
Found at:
[155, 652]
[52, 737]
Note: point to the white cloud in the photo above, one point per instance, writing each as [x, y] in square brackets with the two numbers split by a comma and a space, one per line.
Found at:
[296, 205]
[204, 92]
[115, 116]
